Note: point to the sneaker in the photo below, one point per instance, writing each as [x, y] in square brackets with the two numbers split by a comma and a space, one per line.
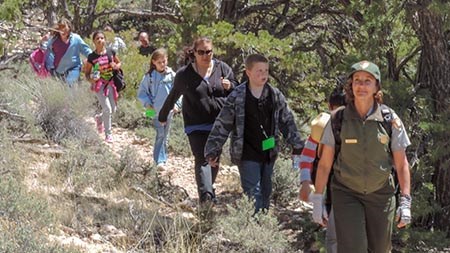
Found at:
[161, 166]
[109, 138]
[99, 123]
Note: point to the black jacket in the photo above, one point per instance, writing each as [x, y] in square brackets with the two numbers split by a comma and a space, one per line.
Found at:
[202, 100]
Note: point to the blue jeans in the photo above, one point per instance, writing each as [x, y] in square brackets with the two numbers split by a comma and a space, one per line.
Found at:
[71, 77]
[256, 181]
[162, 133]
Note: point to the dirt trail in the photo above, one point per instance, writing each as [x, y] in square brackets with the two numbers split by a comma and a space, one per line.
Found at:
[179, 170]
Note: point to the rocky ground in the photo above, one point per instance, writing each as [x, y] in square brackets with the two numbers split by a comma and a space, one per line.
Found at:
[178, 170]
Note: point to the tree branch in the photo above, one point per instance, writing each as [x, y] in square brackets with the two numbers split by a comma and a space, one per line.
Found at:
[407, 58]
[144, 13]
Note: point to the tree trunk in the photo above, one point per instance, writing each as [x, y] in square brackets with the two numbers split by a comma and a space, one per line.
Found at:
[51, 13]
[434, 73]
[228, 10]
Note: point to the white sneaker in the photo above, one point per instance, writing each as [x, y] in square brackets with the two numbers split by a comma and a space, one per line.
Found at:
[109, 138]
[161, 166]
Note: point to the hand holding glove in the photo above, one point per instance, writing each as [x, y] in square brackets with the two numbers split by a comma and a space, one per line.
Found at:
[403, 216]
[320, 214]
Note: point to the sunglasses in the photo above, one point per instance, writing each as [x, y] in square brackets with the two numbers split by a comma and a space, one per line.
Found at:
[203, 52]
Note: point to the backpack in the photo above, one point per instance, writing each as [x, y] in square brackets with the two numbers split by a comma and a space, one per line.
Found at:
[37, 61]
[118, 78]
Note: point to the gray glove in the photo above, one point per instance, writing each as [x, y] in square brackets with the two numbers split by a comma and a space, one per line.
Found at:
[403, 216]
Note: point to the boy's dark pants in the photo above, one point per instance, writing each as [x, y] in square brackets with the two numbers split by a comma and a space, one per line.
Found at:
[205, 175]
[363, 221]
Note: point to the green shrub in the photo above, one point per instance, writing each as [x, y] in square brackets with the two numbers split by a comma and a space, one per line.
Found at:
[86, 166]
[134, 66]
[164, 234]
[61, 113]
[285, 182]
[17, 205]
[24, 218]
[241, 231]
[130, 114]
[18, 237]
[58, 110]
[12, 160]
[178, 140]
[418, 240]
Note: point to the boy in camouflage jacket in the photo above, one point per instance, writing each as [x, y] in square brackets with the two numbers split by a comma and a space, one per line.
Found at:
[255, 113]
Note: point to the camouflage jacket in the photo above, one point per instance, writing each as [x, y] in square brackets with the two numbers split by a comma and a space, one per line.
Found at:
[231, 120]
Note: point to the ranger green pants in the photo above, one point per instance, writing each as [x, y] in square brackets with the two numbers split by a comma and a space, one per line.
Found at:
[363, 221]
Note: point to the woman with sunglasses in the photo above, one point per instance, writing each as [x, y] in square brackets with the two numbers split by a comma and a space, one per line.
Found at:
[204, 83]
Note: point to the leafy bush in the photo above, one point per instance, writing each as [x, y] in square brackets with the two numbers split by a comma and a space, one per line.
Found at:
[19, 237]
[17, 205]
[164, 234]
[12, 160]
[242, 231]
[23, 219]
[129, 114]
[285, 182]
[178, 140]
[418, 240]
[131, 162]
[61, 112]
[134, 65]
[58, 110]
[86, 166]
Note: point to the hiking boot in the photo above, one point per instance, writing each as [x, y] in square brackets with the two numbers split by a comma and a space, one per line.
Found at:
[109, 139]
[99, 123]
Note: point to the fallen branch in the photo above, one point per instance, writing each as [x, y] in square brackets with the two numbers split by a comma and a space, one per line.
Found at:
[4, 62]
[44, 151]
[4, 172]
[12, 115]
[6, 68]
[161, 202]
[30, 140]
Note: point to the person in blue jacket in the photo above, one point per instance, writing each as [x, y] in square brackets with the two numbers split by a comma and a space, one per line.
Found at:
[63, 53]
[153, 91]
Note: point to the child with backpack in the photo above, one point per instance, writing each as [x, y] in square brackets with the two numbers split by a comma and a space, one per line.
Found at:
[254, 114]
[362, 154]
[153, 91]
[309, 160]
[99, 71]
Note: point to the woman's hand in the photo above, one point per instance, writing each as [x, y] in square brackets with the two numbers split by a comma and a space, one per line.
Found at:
[114, 65]
[226, 83]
